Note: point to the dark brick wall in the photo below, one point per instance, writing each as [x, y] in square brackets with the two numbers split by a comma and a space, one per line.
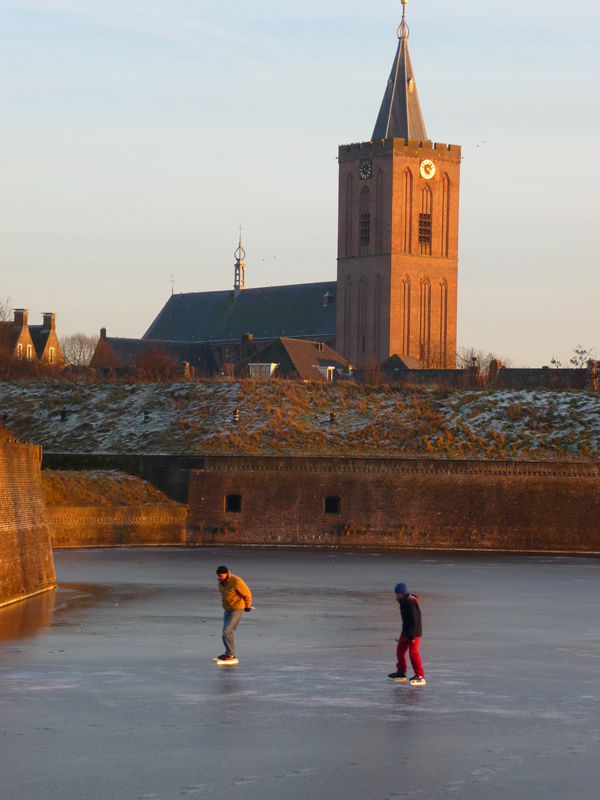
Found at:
[26, 563]
[398, 504]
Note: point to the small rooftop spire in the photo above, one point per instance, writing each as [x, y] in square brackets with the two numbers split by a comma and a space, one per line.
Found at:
[400, 114]
[240, 268]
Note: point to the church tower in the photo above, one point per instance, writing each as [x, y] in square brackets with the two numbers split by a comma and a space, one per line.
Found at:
[398, 234]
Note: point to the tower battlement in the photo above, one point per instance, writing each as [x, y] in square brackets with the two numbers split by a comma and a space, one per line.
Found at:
[406, 147]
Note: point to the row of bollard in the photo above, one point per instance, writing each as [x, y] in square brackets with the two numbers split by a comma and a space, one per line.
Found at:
[236, 416]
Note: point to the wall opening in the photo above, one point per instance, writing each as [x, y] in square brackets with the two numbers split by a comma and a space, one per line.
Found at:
[333, 505]
[233, 503]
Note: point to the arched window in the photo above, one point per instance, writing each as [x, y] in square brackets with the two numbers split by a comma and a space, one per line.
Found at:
[347, 312]
[378, 231]
[349, 188]
[365, 220]
[361, 329]
[445, 216]
[425, 322]
[425, 221]
[408, 193]
[406, 315]
[443, 322]
[376, 317]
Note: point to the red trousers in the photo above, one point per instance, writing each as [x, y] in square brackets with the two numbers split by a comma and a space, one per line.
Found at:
[412, 645]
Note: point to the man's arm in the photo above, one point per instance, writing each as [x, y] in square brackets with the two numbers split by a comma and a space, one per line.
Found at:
[244, 592]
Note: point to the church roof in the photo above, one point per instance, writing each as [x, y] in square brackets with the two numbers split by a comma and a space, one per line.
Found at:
[115, 352]
[400, 114]
[297, 311]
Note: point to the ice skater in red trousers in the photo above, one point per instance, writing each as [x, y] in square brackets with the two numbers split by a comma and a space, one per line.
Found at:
[412, 630]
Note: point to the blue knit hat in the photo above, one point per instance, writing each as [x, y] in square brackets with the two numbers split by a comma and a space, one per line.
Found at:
[401, 588]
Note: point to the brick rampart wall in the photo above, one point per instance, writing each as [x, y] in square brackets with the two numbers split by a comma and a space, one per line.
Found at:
[26, 563]
[122, 526]
[397, 504]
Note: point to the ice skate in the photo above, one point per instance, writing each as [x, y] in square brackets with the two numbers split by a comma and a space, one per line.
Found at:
[417, 681]
[398, 677]
[228, 661]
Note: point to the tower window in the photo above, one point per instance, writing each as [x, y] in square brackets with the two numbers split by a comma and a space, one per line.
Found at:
[233, 503]
[333, 505]
[28, 352]
[424, 228]
[365, 229]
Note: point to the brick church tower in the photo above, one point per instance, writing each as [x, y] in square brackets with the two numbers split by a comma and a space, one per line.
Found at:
[398, 234]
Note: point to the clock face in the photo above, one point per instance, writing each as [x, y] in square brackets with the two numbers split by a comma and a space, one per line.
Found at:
[366, 169]
[427, 169]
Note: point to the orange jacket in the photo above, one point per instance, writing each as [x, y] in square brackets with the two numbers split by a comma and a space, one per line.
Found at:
[235, 594]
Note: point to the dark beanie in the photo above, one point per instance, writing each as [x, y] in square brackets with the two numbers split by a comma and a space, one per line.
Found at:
[401, 588]
[222, 570]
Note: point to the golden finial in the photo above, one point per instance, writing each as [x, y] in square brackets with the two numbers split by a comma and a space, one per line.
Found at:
[403, 30]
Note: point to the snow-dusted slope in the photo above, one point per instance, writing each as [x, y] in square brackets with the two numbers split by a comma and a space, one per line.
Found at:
[281, 417]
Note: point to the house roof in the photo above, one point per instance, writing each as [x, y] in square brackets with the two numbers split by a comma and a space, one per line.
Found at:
[292, 311]
[297, 356]
[113, 352]
[396, 362]
[39, 337]
[400, 114]
[10, 333]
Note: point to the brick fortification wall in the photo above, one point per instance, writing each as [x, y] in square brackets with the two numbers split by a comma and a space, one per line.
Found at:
[120, 526]
[26, 563]
[522, 506]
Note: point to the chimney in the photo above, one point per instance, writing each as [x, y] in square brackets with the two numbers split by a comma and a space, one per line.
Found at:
[246, 348]
[103, 333]
[49, 318]
[21, 315]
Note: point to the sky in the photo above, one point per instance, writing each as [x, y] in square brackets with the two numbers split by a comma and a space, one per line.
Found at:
[135, 134]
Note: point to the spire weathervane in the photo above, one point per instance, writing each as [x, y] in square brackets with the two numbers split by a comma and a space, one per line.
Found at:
[404, 30]
[240, 268]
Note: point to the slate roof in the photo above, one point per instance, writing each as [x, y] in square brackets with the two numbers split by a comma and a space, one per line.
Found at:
[39, 336]
[113, 352]
[397, 362]
[297, 356]
[295, 311]
[400, 114]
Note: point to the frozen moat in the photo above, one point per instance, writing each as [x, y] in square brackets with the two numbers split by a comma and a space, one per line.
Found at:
[108, 690]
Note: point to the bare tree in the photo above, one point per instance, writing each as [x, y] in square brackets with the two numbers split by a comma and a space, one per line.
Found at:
[578, 360]
[470, 356]
[78, 349]
[5, 309]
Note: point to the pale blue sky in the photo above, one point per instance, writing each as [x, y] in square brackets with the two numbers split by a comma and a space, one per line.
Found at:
[136, 134]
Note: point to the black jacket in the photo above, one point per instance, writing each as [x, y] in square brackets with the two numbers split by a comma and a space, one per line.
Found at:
[411, 616]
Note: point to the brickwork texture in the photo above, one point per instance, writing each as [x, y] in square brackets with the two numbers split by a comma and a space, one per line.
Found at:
[118, 526]
[26, 563]
[513, 506]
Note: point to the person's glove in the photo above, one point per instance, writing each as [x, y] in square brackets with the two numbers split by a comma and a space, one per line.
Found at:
[247, 609]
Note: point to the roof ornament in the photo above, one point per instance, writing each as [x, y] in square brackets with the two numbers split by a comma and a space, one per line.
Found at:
[240, 268]
[404, 30]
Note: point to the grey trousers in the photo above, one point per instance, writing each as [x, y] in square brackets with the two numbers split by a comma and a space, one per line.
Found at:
[231, 619]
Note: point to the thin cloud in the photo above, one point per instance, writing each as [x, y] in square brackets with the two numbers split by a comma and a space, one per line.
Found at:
[181, 24]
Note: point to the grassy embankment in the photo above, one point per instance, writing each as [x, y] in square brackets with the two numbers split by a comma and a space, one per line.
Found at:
[292, 418]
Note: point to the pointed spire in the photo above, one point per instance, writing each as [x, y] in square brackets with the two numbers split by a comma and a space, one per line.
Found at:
[400, 115]
[240, 267]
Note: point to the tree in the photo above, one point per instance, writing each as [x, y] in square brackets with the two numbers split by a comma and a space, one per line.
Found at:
[468, 356]
[157, 366]
[578, 360]
[78, 349]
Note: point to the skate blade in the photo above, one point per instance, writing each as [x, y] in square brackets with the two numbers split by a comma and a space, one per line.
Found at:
[418, 683]
[397, 680]
[228, 663]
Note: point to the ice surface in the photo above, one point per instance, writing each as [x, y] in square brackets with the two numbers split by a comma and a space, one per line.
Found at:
[108, 690]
